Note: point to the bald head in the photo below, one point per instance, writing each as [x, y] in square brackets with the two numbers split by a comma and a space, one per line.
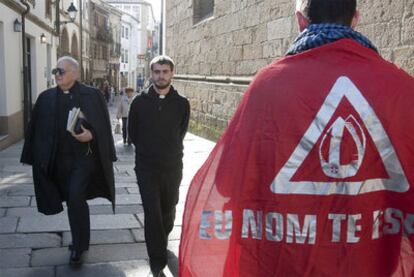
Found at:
[70, 61]
[70, 67]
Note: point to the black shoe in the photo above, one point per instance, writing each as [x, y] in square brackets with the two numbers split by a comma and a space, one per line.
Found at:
[76, 257]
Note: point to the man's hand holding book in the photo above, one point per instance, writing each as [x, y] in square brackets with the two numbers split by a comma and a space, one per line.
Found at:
[75, 125]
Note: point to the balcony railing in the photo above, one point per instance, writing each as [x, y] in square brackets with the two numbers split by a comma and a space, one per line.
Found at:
[104, 35]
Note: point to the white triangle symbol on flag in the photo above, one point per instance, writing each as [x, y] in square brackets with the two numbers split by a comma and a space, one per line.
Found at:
[397, 180]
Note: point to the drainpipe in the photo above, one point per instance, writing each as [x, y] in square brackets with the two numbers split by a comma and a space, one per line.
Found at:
[81, 39]
[27, 96]
[57, 19]
[161, 43]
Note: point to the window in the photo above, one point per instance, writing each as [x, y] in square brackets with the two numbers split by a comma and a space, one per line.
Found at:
[124, 55]
[95, 51]
[122, 32]
[3, 128]
[48, 9]
[202, 9]
[126, 32]
[85, 8]
[104, 52]
[86, 45]
[136, 11]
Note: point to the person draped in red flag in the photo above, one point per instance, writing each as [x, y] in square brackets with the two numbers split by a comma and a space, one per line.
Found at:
[314, 174]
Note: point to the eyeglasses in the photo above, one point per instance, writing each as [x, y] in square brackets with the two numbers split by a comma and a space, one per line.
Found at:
[58, 71]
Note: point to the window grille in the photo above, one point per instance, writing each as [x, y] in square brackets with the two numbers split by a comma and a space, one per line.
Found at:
[202, 9]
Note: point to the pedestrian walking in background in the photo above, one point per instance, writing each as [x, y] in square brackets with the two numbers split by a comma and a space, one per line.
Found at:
[314, 173]
[71, 167]
[158, 121]
[106, 91]
[140, 83]
[122, 113]
[112, 94]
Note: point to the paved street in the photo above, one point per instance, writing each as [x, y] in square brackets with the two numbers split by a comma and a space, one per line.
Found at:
[35, 245]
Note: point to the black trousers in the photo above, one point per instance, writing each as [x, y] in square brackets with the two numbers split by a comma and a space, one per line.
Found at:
[125, 129]
[73, 174]
[159, 193]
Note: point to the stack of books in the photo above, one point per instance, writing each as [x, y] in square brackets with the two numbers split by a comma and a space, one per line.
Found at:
[75, 120]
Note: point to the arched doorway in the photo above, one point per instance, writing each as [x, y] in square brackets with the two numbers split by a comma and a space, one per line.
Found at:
[74, 48]
[64, 43]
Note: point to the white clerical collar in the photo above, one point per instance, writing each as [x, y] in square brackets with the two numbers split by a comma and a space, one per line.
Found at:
[66, 91]
[162, 96]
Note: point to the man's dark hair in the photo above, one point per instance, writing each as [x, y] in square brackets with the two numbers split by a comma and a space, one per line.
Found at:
[329, 11]
[163, 59]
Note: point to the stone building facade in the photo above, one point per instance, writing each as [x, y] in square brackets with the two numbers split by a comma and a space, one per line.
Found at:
[104, 26]
[218, 54]
[18, 91]
[144, 45]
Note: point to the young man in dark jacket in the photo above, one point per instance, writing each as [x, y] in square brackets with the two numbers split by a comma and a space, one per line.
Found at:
[158, 121]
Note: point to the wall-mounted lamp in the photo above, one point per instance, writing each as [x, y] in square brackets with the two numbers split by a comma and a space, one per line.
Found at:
[17, 26]
[72, 11]
[43, 38]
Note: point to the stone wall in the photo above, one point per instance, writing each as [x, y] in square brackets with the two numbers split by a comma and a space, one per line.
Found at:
[11, 129]
[245, 35]
[212, 105]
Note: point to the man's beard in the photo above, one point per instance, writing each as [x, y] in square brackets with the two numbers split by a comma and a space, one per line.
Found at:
[162, 87]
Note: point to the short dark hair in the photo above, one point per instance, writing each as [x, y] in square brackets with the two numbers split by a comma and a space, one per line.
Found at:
[329, 11]
[163, 59]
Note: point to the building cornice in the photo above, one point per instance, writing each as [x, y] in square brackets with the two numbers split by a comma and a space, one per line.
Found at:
[131, 16]
[33, 18]
[215, 79]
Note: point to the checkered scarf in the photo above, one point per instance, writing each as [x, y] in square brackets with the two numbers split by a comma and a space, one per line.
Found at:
[319, 34]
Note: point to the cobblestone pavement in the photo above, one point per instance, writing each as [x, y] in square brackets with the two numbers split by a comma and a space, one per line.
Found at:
[35, 245]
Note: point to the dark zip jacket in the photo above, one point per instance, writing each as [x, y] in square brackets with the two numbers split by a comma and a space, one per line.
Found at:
[157, 128]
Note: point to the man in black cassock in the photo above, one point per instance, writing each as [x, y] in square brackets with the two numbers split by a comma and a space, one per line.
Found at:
[70, 166]
[157, 123]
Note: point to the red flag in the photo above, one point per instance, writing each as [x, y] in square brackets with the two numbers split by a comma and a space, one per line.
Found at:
[313, 176]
